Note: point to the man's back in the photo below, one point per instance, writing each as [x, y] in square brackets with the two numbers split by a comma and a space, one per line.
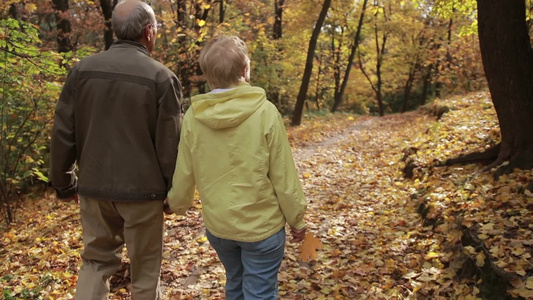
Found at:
[122, 101]
[118, 121]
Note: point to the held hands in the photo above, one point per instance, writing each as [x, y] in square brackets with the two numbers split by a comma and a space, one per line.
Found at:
[298, 235]
[166, 208]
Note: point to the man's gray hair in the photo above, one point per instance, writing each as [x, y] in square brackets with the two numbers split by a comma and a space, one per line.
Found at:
[128, 24]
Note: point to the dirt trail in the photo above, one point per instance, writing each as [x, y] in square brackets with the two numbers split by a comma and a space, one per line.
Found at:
[364, 211]
[358, 208]
[359, 205]
[355, 206]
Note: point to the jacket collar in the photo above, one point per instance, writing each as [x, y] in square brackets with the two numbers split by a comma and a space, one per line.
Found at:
[130, 44]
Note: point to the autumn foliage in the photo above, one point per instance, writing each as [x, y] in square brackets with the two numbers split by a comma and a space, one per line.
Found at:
[388, 218]
[308, 248]
[421, 56]
[448, 232]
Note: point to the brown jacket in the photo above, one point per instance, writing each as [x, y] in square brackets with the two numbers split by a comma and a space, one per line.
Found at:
[118, 121]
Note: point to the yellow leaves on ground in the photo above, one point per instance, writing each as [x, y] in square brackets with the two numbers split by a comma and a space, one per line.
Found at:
[361, 210]
[308, 247]
[496, 216]
[41, 256]
[529, 283]
[201, 240]
[523, 288]
[480, 259]
[431, 255]
[9, 236]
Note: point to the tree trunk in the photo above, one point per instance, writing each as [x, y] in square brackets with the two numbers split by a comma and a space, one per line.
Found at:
[278, 20]
[340, 95]
[380, 53]
[184, 60]
[408, 87]
[107, 10]
[447, 61]
[302, 94]
[8, 210]
[200, 15]
[318, 93]
[379, 63]
[63, 25]
[13, 11]
[508, 63]
[277, 32]
[337, 59]
[222, 12]
[427, 83]
[375, 87]
[380, 93]
[181, 12]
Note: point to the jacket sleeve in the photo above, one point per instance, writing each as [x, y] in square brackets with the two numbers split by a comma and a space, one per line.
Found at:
[63, 144]
[284, 177]
[168, 126]
[181, 195]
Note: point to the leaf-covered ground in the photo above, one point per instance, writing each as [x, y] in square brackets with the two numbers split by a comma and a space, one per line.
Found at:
[444, 233]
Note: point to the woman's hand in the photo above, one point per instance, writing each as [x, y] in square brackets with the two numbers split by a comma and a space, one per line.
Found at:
[298, 235]
[166, 208]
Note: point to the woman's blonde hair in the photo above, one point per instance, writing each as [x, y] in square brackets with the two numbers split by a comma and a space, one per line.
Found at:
[223, 60]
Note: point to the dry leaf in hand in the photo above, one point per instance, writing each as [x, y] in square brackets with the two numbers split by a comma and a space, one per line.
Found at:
[308, 247]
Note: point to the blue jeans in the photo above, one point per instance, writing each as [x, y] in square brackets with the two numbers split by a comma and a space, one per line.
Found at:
[251, 268]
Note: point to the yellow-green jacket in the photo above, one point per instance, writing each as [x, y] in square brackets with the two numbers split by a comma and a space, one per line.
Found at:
[234, 149]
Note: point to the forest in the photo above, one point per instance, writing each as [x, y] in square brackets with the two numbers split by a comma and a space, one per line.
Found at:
[408, 122]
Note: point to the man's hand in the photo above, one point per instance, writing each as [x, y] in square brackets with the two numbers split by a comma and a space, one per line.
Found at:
[166, 208]
[75, 198]
[298, 235]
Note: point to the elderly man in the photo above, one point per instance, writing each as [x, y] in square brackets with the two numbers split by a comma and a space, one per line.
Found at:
[118, 122]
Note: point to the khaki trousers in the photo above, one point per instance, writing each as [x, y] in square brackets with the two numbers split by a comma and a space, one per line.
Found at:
[107, 225]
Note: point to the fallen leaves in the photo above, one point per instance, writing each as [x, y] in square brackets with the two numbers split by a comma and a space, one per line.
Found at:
[361, 209]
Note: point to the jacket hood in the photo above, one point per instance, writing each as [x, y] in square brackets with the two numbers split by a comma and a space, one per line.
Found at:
[229, 108]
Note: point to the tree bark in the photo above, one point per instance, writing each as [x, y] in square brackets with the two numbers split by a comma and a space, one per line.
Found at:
[318, 90]
[63, 25]
[427, 84]
[200, 14]
[278, 21]
[222, 12]
[340, 95]
[107, 10]
[448, 60]
[8, 214]
[181, 12]
[380, 50]
[408, 86]
[277, 32]
[337, 53]
[13, 11]
[184, 62]
[302, 94]
[508, 62]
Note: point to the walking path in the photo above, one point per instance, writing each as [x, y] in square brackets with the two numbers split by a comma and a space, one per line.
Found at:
[361, 207]
[356, 206]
